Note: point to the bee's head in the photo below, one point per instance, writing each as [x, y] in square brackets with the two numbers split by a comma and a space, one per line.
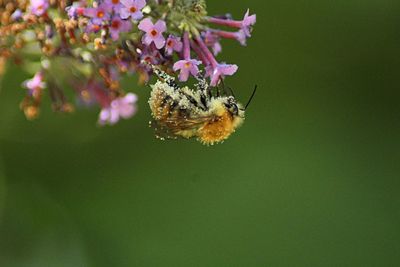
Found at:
[232, 106]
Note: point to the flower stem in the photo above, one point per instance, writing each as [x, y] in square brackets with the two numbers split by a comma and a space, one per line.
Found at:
[186, 46]
[225, 22]
[200, 54]
[206, 52]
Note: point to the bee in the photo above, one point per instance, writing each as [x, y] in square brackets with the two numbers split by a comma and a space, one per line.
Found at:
[187, 113]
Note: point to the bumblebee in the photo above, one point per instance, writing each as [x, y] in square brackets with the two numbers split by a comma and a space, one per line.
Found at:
[187, 113]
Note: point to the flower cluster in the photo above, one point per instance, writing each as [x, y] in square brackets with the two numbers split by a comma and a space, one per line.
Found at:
[86, 46]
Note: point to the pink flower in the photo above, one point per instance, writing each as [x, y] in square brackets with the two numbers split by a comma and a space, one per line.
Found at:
[115, 4]
[187, 67]
[99, 14]
[151, 55]
[215, 70]
[75, 10]
[239, 36]
[212, 40]
[123, 107]
[35, 84]
[17, 15]
[245, 24]
[91, 27]
[153, 32]
[173, 44]
[39, 7]
[220, 71]
[117, 26]
[132, 8]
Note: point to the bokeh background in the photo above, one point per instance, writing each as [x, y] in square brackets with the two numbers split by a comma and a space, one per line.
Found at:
[311, 179]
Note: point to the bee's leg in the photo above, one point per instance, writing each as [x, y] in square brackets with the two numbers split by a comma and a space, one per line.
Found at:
[203, 86]
[164, 76]
[221, 88]
[231, 92]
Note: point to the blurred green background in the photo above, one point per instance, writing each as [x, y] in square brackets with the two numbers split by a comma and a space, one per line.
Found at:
[311, 179]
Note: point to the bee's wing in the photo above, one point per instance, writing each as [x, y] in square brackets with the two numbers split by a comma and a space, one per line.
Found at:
[170, 128]
[162, 131]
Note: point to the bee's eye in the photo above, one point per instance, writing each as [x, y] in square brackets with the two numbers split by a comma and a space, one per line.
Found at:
[233, 108]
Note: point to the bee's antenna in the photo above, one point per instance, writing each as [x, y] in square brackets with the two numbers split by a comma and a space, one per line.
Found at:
[220, 87]
[251, 97]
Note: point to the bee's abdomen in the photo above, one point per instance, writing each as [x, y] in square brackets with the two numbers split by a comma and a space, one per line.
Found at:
[216, 130]
[161, 105]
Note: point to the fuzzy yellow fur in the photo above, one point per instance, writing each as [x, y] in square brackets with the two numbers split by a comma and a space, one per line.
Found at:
[221, 127]
[220, 123]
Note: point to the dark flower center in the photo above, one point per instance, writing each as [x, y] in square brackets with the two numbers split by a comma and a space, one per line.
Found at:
[133, 9]
[100, 14]
[153, 32]
[96, 28]
[115, 24]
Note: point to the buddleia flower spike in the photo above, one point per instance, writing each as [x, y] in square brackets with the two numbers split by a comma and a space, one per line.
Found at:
[87, 47]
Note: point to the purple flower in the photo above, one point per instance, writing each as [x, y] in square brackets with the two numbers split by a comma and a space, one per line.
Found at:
[132, 8]
[39, 7]
[188, 66]
[91, 27]
[221, 70]
[115, 4]
[17, 15]
[245, 24]
[99, 14]
[151, 56]
[118, 25]
[173, 44]
[123, 107]
[239, 36]
[212, 40]
[215, 70]
[153, 32]
[35, 84]
[75, 10]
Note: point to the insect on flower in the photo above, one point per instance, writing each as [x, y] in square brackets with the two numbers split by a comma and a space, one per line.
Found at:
[184, 112]
[90, 45]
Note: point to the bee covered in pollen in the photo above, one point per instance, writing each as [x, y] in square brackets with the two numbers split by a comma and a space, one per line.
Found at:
[184, 112]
